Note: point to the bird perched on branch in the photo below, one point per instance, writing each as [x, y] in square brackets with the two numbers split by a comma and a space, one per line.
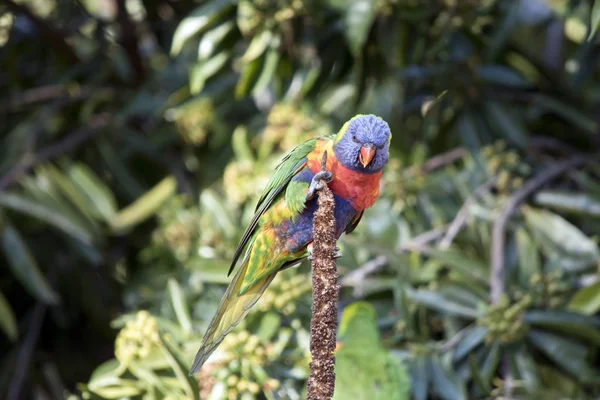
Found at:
[280, 234]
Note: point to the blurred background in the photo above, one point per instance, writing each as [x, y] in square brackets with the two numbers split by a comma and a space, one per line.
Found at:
[137, 135]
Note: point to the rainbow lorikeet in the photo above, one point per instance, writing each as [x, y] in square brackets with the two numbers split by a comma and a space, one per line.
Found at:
[280, 234]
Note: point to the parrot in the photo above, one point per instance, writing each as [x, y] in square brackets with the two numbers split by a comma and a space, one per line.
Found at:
[364, 369]
[280, 233]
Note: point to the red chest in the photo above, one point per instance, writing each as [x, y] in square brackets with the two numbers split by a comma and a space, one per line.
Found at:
[360, 189]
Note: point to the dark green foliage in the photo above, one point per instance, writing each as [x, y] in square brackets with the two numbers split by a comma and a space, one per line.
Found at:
[136, 137]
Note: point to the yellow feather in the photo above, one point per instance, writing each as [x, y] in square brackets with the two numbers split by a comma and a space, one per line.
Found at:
[231, 311]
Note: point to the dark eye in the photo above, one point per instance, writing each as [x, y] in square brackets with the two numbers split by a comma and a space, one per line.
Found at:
[355, 139]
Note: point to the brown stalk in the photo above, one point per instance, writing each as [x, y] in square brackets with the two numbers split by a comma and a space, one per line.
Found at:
[325, 290]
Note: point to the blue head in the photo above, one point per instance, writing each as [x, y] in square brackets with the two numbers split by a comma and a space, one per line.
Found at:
[363, 144]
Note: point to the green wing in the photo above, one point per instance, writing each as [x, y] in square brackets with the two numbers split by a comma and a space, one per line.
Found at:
[291, 164]
[354, 223]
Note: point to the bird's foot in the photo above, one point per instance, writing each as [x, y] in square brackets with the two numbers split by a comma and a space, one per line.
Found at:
[316, 185]
[337, 253]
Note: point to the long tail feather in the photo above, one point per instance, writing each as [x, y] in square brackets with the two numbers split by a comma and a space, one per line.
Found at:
[231, 311]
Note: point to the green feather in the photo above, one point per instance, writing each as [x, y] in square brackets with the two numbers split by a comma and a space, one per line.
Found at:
[283, 174]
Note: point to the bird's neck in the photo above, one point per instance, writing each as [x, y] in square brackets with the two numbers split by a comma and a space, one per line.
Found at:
[358, 188]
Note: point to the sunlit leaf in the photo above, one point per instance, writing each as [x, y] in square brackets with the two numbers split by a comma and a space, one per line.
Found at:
[586, 300]
[577, 203]
[99, 197]
[595, 21]
[201, 18]
[202, 71]
[248, 78]
[144, 207]
[562, 240]
[180, 305]
[211, 39]
[529, 257]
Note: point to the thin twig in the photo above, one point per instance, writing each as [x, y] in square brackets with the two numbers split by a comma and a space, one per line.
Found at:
[323, 324]
[46, 93]
[24, 360]
[498, 231]
[51, 152]
[461, 217]
[357, 277]
[438, 161]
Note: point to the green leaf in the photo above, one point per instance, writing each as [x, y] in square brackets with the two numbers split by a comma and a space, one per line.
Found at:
[461, 263]
[501, 75]
[99, 197]
[222, 217]
[572, 324]
[200, 19]
[527, 368]
[446, 384]
[144, 207]
[269, 325]
[490, 364]
[203, 70]
[24, 267]
[569, 355]
[471, 340]
[188, 383]
[257, 46]
[8, 322]
[70, 191]
[512, 128]
[419, 377]
[562, 241]
[248, 78]
[180, 305]
[595, 20]
[109, 369]
[529, 257]
[20, 204]
[442, 304]
[586, 300]
[577, 118]
[117, 389]
[359, 16]
[268, 71]
[211, 39]
[577, 203]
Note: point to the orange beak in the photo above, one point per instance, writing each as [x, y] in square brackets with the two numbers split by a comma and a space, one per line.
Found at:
[367, 152]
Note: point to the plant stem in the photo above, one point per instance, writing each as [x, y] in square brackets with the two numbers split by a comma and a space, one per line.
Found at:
[325, 290]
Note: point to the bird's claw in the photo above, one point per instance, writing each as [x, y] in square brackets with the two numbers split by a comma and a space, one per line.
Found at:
[316, 184]
[337, 252]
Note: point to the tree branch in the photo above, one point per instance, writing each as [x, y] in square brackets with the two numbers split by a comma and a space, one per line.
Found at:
[24, 360]
[51, 152]
[461, 217]
[323, 324]
[498, 231]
